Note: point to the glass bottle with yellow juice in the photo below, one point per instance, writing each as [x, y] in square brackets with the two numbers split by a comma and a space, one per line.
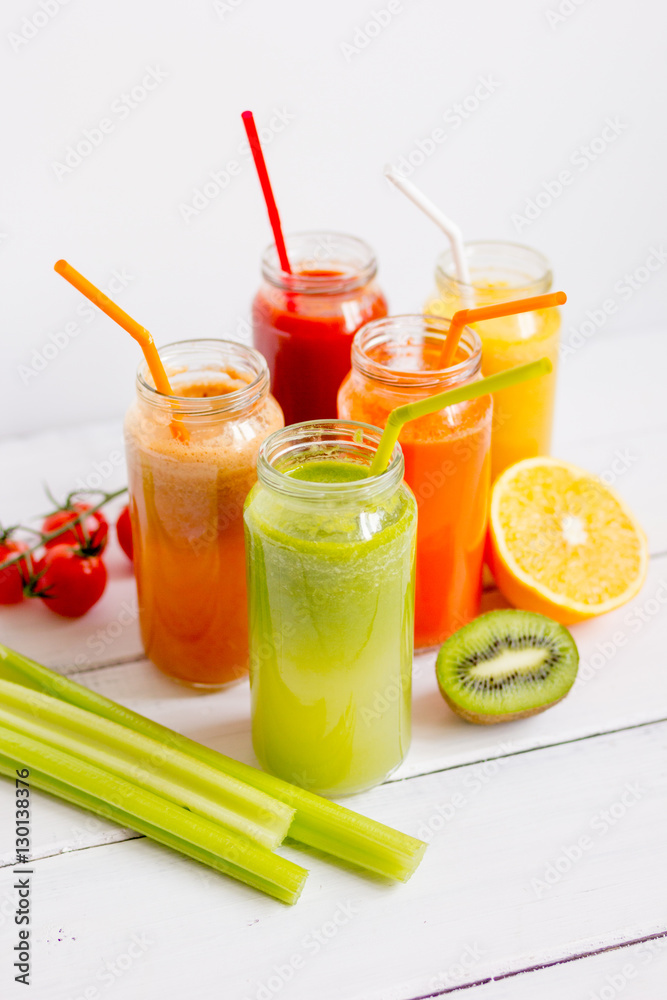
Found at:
[499, 272]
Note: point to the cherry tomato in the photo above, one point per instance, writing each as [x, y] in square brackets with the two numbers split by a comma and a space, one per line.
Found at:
[96, 526]
[124, 532]
[13, 577]
[71, 582]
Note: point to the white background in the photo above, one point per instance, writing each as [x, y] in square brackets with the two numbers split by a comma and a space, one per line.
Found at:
[120, 209]
[534, 789]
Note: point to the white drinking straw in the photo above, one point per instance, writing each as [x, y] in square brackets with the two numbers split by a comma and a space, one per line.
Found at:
[448, 227]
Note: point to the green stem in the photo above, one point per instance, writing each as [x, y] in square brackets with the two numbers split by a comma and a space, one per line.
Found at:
[147, 763]
[318, 822]
[161, 820]
[44, 538]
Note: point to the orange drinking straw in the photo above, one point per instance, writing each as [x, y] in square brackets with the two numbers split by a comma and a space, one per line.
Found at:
[118, 315]
[465, 316]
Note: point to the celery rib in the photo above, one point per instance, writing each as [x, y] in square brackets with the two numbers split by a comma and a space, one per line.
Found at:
[160, 820]
[146, 762]
[318, 822]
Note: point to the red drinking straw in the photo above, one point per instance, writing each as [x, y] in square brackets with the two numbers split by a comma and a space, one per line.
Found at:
[272, 208]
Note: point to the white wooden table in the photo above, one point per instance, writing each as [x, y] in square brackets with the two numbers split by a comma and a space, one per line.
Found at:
[546, 874]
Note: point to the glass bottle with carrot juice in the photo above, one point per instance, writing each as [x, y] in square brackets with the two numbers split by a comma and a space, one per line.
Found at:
[523, 415]
[191, 462]
[447, 462]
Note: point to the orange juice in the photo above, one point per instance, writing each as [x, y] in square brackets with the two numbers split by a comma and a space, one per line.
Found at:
[523, 415]
[186, 500]
[447, 463]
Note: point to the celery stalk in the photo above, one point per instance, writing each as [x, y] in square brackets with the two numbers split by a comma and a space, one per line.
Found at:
[68, 793]
[318, 822]
[147, 763]
[161, 820]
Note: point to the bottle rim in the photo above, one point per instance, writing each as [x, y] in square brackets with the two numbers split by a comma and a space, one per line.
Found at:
[341, 262]
[523, 270]
[188, 358]
[410, 330]
[314, 440]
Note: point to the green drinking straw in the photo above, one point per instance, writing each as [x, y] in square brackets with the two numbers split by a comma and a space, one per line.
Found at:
[411, 411]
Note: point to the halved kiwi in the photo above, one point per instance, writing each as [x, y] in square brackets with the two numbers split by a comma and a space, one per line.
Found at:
[506, 665]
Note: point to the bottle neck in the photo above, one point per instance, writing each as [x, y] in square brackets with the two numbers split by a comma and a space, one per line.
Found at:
[403, 352]
[209, 378]
[322, 264]
[499, 272]
[327, 441]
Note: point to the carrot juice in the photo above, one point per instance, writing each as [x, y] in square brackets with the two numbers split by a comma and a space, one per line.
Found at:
[447, 463]
[186, 500]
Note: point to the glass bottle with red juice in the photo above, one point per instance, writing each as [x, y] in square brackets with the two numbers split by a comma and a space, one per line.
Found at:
[304, 322]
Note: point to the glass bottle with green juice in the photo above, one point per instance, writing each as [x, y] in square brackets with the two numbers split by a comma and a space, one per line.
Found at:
[330, 557]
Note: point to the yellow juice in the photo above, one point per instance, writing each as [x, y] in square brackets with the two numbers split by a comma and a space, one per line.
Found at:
[523, 415]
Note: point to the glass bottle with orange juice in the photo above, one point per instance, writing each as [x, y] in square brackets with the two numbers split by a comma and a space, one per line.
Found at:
[499, 272]
[187, 490]
[447, 463]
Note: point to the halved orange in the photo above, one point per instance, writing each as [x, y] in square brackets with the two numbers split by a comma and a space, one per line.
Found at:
[562, 543]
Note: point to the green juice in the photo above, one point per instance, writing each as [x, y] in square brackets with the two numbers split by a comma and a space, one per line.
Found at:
[331, 597]
[327, 471]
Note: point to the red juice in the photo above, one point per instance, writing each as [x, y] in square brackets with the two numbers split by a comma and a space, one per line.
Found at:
[304, 322]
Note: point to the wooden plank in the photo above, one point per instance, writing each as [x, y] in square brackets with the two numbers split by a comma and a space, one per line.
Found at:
[531, 859]
[637, 971]
[622, 683]
[107, 634]
[87, 456]
[92, 457]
